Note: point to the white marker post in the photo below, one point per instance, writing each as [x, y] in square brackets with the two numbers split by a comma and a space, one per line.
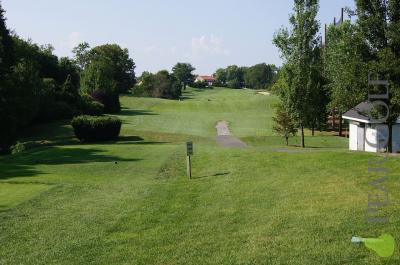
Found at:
[189, 153]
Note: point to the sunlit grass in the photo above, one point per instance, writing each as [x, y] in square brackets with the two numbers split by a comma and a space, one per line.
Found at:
[130, 202]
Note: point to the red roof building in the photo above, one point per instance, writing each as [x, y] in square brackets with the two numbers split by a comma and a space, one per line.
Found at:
[210, 80]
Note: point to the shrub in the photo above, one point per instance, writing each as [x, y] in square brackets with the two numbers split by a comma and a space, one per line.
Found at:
[96, 128]
[55, 110]
[88, 106]
[17, 148]
[109, 100]
[200, 84]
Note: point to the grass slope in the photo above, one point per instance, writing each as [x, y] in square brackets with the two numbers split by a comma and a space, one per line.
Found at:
[129, 202]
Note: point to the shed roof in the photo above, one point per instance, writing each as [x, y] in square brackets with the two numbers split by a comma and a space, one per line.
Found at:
[359, 113]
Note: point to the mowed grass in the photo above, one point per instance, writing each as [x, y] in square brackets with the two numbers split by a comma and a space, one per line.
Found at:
[129, 201]
[249, 113]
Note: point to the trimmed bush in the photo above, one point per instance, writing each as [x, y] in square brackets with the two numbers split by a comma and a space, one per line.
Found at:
[96, 128]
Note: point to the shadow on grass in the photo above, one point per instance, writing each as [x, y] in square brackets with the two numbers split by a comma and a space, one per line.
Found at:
[23, 165]
[131, 112]
[9, 171]
[132, 140]
[221, 174]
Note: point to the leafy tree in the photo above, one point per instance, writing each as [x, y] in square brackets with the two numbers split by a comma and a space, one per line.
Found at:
[8, 121]
[159, 85]
[260, 76]
[221, 76]
[345, 67]
[68, 71]
[183, 72]
[82, 55]
[166, 86]
[379, 22]
[97, 80]
[284, 124]
[144, 86]
[299, 48]
[123, 67]
[317, 116]
[7, 54]
[234, 76]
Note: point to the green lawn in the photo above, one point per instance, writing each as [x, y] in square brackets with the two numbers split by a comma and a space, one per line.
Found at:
[129, 202]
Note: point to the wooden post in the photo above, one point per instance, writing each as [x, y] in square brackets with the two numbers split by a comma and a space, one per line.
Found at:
[189, 167]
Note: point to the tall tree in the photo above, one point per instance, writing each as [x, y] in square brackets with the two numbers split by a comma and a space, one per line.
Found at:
[7, 54]
[234, 76]
[82, 55]
[260, 76]
[8, 124]
[379, 21]
[299, 48]
[122, 65]
[346, 69]
[184, 73]
[221, 76]
[97, 81]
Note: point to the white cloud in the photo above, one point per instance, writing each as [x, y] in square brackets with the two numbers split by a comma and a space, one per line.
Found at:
[208, 45]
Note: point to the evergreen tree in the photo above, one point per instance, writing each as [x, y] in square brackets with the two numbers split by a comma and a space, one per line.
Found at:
[7, 54]
[8, 121]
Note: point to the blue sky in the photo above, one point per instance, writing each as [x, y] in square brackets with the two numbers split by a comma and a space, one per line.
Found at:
[158, 33]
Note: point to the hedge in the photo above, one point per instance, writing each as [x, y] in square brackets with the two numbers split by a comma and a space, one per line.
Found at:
[96, 128]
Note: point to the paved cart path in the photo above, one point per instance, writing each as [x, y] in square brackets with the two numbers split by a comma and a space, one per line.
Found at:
[224, 137]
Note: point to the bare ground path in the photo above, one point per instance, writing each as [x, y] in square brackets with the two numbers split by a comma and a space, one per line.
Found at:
[224, 137]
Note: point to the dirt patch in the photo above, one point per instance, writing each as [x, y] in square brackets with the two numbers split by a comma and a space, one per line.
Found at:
[264, 93]
[223, 128]
[224, 137]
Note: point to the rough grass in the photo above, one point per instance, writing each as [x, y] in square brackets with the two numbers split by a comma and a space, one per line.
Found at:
[129, 201]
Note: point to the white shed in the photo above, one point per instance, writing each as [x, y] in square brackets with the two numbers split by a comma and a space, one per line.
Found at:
[365, 135]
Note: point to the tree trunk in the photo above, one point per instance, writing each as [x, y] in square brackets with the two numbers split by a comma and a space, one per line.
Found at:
[333, 120]
[390, 147]
[302, 137]
[340, 124]
[287, 141]
[184, 86]
[313, 129]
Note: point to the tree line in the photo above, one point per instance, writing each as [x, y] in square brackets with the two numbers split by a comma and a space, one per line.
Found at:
[36, 86]
[259, 76]
[319, 78]
[164, 84]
